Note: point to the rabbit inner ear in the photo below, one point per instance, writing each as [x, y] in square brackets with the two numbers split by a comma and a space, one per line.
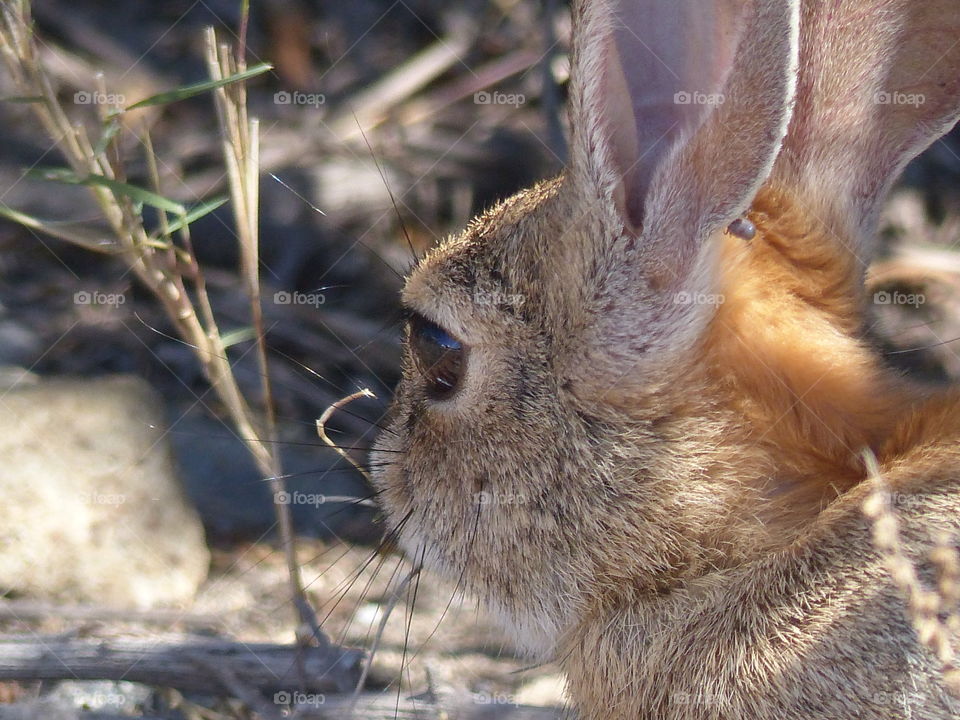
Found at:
[721, 109]
[646, 74]
[879, 82]
[677, 122]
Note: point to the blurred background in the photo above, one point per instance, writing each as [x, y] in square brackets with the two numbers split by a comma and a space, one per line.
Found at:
[366, 99]
[385, 125]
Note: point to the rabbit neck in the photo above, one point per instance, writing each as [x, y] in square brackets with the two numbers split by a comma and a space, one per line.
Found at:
[751, 437]
[789, 362]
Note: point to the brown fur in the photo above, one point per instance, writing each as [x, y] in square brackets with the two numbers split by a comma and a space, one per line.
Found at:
[785, 347]
[673, 489]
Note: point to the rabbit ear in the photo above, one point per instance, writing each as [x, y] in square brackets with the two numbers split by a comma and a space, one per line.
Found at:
[879, 81]
[678, 110]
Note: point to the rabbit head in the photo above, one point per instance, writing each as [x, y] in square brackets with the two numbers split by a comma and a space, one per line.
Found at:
[649, 367]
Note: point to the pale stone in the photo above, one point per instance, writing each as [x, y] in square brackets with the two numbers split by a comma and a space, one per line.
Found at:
[91, 510]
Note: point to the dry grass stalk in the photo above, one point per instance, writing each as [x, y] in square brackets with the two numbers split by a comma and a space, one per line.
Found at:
[241, 152]
[164, 261]
[934, 613]
[328, 413]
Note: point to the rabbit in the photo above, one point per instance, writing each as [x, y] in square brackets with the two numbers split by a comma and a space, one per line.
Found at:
[635, 397]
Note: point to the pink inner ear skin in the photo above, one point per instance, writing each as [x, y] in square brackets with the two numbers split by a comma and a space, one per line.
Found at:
[879, 81]
[668, 66]
[677, 122]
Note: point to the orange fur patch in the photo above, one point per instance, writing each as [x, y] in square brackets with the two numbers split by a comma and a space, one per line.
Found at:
[786, 345]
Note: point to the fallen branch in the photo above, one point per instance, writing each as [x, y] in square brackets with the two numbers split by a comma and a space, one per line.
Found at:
[188, 664]
[22, 610]
[466, 706]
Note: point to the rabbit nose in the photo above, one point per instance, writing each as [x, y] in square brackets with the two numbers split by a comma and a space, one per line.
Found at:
[742, 228]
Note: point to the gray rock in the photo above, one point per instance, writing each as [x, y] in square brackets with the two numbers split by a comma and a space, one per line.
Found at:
[91, 509]
[235, 501]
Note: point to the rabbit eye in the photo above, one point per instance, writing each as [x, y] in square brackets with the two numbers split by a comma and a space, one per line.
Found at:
[438, 356]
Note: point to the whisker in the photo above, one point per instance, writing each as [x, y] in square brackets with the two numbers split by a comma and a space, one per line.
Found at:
[162, 334]
[457, 587]
[258, 372]
[348, 581]
[301, 197]
[395, 596]
[346, 549]
[922, 347]
[355, 574]
[343, 590]
[395, 319]
[406, 635]
[367, 501]
[360, 598]
[309, 370]
[292, 443]
[393, 199]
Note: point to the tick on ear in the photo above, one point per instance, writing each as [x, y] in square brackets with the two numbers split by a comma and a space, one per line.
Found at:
[742, 228]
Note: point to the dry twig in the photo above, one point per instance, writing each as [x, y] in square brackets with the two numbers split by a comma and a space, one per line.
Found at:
[926, 608]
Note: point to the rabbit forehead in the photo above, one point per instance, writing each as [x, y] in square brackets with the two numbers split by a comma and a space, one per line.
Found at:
[538, 263]
[500, 266]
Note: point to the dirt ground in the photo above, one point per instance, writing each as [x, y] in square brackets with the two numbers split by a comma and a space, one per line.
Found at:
[444, 644]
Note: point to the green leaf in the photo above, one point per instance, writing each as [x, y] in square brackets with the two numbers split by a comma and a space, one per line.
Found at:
[110, 129]
[71, 232]
[234, 337]
[22, 98]
[137, 194]
[187, 91]
[197, 212]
